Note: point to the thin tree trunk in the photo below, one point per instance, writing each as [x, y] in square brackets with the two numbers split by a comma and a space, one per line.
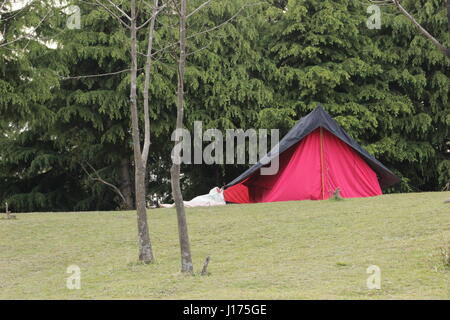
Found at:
[125, 186]
[186, 258]
[148, 66]
[145, 248]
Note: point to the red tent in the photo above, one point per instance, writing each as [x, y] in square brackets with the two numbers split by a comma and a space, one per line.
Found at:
[315, 158]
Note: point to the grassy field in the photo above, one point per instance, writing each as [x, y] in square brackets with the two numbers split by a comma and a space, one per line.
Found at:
[290, 250]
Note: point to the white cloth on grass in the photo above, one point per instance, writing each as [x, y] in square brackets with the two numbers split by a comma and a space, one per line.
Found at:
[213, 198]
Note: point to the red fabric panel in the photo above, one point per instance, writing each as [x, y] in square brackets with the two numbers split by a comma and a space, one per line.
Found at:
[344, 168]
[301, 177]
[298, 177]
[237, 194]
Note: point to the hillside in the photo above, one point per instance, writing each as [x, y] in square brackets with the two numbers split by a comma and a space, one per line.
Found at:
[291, 250]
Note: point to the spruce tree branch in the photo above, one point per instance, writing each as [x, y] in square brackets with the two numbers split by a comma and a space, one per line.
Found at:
[15, 12]
[25, 6]
[169, 25]
[200, 7]
[225, 22]
[117, 7]
[199, 49]
[175, 6]
[28, 35]
[2, 5]
[440, 46]
[114, 15]
[154, 14]
[96, 75]
[174, 44]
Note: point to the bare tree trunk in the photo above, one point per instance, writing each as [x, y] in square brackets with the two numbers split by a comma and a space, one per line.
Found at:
[148, 66]
[125, 184]
[145, 248]
[186, 258]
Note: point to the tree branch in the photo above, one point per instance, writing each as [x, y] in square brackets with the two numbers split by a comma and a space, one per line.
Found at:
[204, 4]
[225, 22]
[98, 3]
[99, 178]
[96, 75]
[28, 35]
[440, 46]
[152, 18]
[117, 8]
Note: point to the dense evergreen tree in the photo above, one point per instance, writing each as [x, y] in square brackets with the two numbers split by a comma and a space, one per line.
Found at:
[227, 79]
[416, 141]
[27, 81]
[88, 132]
[93, 112]
[268, 66]
[388, 88]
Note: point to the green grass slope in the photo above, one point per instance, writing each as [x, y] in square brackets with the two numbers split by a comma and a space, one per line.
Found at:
[290, 250]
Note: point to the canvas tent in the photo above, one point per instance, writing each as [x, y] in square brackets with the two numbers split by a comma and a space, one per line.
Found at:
[315, 158]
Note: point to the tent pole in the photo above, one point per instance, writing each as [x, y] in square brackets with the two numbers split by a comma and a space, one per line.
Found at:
[321, 163]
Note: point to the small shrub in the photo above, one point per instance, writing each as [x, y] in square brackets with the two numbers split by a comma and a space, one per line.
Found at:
[342, 264]
[445, 253]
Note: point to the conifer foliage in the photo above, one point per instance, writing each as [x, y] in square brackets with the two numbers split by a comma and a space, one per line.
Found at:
[269, 65]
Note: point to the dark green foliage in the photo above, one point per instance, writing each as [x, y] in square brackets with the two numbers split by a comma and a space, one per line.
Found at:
[267, 67]
[416, 142]
[388, 88]
[61, 125]
[27, 79]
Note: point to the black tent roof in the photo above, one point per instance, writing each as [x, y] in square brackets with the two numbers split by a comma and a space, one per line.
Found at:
[316, 119]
